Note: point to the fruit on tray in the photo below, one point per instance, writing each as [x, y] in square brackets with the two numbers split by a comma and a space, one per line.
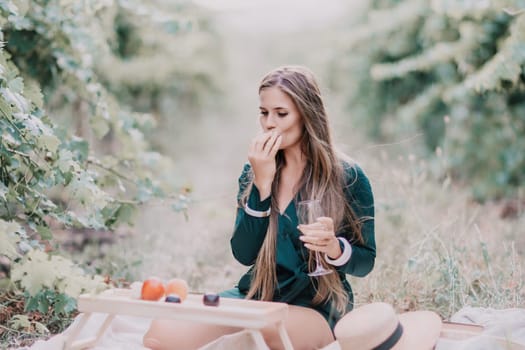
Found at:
[211, 299]
[177, 286]
[152, 289]
[173, 298]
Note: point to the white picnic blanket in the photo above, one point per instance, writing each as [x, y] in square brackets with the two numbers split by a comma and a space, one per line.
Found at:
[126, 332]
[504, 330]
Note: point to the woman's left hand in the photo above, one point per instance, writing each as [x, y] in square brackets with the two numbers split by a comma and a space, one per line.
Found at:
[320, 236]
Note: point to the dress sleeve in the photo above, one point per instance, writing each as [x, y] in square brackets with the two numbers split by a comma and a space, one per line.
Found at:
[249, 231]
[359, 194]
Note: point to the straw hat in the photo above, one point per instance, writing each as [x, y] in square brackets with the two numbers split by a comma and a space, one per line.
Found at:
[377, 326]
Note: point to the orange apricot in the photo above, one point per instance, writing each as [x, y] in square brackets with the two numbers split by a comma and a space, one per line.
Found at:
[177, 286]
[152, 289]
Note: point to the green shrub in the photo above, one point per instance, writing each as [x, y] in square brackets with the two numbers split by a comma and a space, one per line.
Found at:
[73, 152]
[450, 70]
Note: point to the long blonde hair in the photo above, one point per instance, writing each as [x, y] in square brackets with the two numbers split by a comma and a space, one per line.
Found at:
[323, 178]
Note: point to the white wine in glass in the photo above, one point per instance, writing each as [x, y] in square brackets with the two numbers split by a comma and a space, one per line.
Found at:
[307, 213]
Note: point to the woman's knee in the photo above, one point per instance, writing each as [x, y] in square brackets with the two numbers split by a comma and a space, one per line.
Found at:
[170, 334]
[306, 328]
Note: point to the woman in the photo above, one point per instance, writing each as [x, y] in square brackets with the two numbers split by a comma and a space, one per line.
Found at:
[293, 159]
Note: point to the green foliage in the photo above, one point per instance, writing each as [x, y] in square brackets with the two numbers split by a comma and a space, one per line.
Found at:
[453, 70]
[45, 299]
[56, 308]
[148, 64]
[38, 271]
[72, 152]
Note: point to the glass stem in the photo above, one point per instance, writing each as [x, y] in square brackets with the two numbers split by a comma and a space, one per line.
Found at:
[317, 262]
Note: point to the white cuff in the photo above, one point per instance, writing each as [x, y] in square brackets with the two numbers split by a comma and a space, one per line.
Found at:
[345, 256]
[256, 213]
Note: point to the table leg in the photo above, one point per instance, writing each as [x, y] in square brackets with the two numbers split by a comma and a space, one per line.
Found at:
[105, 325]
[84, 343]
[76, 329]
[332, 346]
[284, 336]
[259, 340]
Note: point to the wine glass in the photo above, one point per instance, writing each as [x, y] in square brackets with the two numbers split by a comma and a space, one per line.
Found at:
[307, 213]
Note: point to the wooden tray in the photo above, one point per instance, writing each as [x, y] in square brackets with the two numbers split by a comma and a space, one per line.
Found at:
[247, 314]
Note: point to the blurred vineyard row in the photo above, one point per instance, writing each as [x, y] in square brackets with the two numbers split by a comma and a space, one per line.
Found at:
[450, 70]
[82, 88]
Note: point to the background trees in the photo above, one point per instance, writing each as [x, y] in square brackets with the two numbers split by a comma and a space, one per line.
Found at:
[452, 70]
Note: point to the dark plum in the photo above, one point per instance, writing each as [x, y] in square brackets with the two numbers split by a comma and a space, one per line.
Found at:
[172, 298]
[211, 299]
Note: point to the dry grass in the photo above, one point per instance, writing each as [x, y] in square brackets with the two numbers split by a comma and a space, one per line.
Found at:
[437, 249]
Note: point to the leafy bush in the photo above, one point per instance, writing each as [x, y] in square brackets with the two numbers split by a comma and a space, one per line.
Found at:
[72, 153]
[451, 70]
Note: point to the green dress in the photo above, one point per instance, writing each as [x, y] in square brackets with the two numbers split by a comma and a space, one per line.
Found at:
[295, 287]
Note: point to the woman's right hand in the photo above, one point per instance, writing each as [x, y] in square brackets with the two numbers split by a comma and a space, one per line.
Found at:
[261, 156]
